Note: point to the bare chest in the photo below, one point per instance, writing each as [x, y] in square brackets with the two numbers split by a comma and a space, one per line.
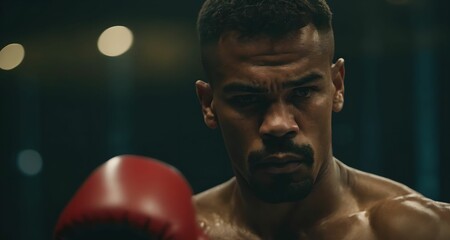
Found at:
[355, 227]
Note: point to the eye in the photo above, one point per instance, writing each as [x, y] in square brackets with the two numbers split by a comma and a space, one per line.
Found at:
[244, 100]
[302, 92]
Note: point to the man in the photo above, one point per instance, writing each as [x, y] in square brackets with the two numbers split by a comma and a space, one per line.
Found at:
[273, 85]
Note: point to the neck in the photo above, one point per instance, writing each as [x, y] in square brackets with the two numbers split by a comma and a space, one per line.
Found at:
[328, 196]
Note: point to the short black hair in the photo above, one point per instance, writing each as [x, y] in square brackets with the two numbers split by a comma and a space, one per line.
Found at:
[251, 18]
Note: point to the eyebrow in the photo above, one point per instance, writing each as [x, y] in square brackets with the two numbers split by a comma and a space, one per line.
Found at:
[312, 77]
[245, 87]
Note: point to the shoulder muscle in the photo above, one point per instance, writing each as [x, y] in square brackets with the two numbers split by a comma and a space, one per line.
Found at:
[410, 217]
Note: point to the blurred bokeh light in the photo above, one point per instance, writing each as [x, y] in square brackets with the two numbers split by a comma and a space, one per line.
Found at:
[11, 56]
[29, 162]
[115, 41]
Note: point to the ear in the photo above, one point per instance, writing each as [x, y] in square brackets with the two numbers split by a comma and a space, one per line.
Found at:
[205, 96]
[338, 74]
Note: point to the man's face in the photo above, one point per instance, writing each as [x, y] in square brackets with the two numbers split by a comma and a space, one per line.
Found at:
[273, 100]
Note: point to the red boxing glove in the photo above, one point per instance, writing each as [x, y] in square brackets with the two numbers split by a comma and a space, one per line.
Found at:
[130, 198]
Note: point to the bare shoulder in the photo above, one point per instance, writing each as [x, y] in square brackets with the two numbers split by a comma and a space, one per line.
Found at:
[395, 211]
[213, 208]
[411, 217]
[214, 199]
[369, 188]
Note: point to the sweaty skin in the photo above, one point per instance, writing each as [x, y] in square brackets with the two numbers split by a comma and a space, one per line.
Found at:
[367, 207]
[266, 93]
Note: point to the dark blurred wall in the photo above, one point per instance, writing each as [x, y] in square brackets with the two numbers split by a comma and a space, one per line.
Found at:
[78, 108]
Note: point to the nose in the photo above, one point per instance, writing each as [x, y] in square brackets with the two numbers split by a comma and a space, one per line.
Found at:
[278, 122]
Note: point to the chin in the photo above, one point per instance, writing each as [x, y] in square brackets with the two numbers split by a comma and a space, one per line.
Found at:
[282, 189]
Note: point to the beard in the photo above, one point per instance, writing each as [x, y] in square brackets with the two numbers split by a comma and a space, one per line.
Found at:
[283, 188]
[279, 188]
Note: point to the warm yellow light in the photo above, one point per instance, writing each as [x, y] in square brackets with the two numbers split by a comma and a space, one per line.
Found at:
[115, 41]
[11, 56]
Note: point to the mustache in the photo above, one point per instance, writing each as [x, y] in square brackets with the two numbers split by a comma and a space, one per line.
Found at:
[305, 151]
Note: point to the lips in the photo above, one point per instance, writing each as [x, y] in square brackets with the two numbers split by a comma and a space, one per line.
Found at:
[278, 163]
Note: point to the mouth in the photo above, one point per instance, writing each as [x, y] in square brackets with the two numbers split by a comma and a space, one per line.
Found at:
[279, 164]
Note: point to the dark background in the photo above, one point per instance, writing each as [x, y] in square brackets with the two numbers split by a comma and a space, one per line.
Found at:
[77, 108]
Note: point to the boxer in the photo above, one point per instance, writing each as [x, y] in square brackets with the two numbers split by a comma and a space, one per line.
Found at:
[272, 86]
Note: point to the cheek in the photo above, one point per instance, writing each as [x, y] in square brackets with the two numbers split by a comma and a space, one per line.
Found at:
[238, 134]
[315, 122]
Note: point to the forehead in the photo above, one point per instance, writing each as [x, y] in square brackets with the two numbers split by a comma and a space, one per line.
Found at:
[260, 58]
